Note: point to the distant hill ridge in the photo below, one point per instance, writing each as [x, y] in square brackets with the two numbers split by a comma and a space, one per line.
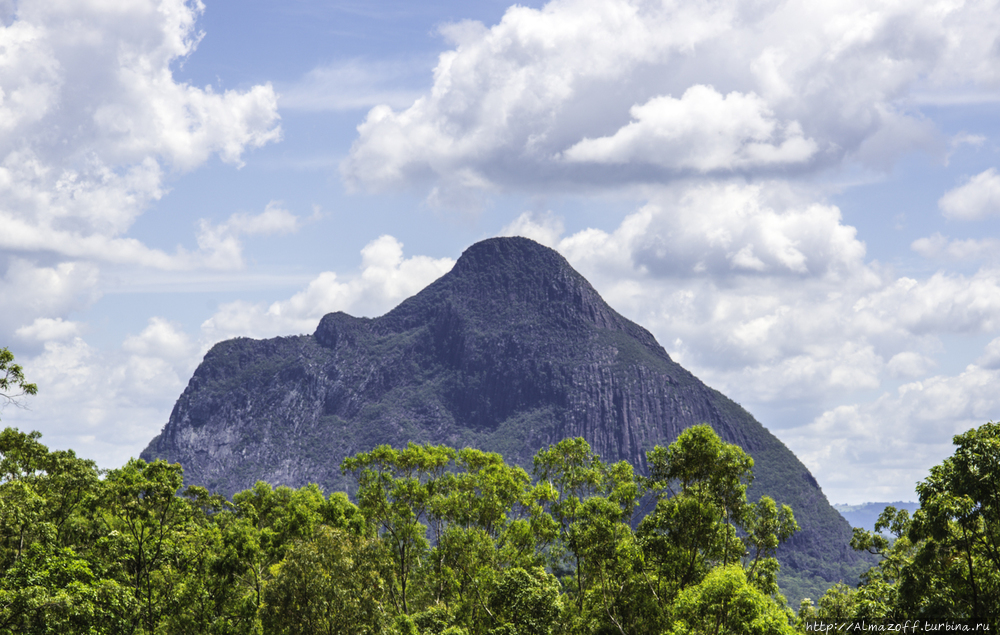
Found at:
[865, 515]
[510, 351]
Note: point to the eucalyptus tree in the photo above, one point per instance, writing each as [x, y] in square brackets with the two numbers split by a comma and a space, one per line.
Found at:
[943, 562]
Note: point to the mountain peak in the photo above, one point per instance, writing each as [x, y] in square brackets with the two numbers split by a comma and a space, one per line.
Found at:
[513, 280]
[518, 269]
[511, 255]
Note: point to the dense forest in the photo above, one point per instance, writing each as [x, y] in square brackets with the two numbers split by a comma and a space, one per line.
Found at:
[444, 540]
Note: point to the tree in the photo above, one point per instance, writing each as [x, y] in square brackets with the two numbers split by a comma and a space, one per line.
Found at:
[54, 590]
[724, 601]
[150, 523]
[525, 602]
[485, 521]
[12, 382]
[699, 484]
[945, 561]
[575, 473]
[53, 577]
[958, 531]
[328, 585]
[395, 488]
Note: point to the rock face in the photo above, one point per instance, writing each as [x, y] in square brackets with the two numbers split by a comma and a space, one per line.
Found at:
[510, 351]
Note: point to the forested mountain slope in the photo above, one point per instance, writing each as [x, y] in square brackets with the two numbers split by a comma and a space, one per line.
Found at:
[509, 352]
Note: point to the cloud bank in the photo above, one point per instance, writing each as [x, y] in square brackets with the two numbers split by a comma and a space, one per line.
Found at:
[662, 90]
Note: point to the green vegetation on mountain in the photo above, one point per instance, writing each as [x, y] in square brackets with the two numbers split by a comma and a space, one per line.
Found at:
[510, 352]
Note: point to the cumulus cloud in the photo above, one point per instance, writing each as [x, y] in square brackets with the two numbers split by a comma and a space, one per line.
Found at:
[607, 92]
[92, 122]
[728, 228]
[880, 450]
[46, 329]
[93, 126]
[943, 303]
[219, 246]
[29, 292]
[106, 404]
[939, 247]
[160, 338]
[909, 364]
[991, 356]
[542, 228]
[702, 131]
[974, 200]
[385, 278]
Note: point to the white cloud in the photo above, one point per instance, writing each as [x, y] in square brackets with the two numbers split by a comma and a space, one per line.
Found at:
[880, 450]
[964, 138]
[161, 339]
[976, 199]
[943, 303]
[938, 246]
[275, 219]
[29, 292]
[92, 122]
[991, 356]
[542, 228]
[219, 246]
[93, 125]
[385, 279]
[105, 405]
[702, 131]
[45, 329]
[543, 99]
[726, 229]
[909, 364]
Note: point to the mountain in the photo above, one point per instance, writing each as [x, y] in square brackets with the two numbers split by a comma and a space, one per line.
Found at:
[510, 351]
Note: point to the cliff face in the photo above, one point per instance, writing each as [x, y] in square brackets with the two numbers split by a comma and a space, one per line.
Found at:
[510, 351]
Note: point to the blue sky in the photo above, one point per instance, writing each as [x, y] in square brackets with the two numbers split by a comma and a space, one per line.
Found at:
[801, 200]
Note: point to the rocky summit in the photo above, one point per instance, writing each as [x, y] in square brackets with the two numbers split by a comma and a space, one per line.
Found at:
[510, 351]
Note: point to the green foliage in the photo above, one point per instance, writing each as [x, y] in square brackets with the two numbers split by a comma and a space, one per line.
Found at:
[726, 602]
[943, 563]
[52, 576]
[441, 541]
[331, 584]
[525, 601]
[395, 488]
[702, 519]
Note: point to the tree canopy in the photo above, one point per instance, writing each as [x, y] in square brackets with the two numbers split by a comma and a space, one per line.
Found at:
[440, 540]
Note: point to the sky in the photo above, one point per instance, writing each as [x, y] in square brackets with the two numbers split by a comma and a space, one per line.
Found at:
[800, 200]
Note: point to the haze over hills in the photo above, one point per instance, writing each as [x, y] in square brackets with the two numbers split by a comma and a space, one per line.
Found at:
[509, 352]
[865, 515]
